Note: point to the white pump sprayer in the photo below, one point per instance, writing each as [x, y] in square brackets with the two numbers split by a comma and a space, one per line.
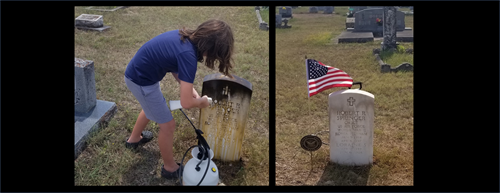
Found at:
[200, 170]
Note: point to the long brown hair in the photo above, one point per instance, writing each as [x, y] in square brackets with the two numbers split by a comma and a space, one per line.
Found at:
[214, 37]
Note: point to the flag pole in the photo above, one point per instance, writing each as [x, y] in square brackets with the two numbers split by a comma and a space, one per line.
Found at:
[307, 81]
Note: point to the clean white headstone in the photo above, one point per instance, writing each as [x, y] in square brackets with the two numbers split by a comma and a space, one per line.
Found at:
[351, 116]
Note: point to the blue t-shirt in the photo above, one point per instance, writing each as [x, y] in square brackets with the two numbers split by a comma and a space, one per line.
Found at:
[164, 53]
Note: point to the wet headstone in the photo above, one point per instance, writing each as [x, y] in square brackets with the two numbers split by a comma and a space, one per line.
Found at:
[351, 117]
[313, 9]
[90, 114]
[223, 123]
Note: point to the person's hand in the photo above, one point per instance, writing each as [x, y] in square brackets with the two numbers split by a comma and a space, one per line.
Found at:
[195, 94]
[204, 102]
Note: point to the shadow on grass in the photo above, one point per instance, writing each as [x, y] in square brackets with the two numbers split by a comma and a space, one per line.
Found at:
[230, 173]
[338, 175]
[385, 55]
[146, 171]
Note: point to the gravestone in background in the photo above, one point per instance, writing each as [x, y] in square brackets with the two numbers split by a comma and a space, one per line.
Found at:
[357, 8]
[349, 22]
[389, 28]
[286, 12]
[328, 10]
[365, 21]
[223, 123]
[90, 22]
[90, 114]
[313, 9]
[351, 116]
[321, 8]
[278, 20]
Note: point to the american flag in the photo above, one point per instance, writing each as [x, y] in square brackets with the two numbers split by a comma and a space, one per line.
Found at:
[321, 77]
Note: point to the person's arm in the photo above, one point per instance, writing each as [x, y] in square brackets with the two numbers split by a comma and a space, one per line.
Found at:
[195, 93]
[187, 99]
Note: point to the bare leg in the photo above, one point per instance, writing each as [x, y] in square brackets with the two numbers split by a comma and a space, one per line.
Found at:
[140, 124]
[166, 143]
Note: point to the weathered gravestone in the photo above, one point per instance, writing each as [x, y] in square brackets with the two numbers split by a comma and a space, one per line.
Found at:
[313, 9]
[351, 117]
[328, 10]
[286, 12]
[223, 123]
[389, 25]
[90, 22]
[90, 114]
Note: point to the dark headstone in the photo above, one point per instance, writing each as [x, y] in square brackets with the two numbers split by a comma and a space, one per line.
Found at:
[366, 21]
[90, 114]
[389, 28]
[223, 123]
[313, 9]
[278, 20]
[357, 8]
[85, 96]
[285, 11]
[355, 37]
[328, 10]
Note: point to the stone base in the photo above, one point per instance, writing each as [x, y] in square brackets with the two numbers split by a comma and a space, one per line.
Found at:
[263, 26]
[288, 26]
[91, 121]
[404, 36]
[111, 10]
[404, 67]
[355, 37]
[100, 29]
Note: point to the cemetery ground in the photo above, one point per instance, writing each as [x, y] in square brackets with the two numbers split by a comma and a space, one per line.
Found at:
[106, 161]
[297, 116]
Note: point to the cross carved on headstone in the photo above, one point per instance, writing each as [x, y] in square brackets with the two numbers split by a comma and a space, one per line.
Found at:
[351, 101]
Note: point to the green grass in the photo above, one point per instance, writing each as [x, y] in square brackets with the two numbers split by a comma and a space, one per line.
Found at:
[105, 161]
[395, 58]
[297, 115]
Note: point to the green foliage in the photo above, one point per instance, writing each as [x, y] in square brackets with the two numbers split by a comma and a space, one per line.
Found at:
[401, 49]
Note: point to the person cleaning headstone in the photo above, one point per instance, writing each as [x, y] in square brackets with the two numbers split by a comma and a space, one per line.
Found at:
[176, 52]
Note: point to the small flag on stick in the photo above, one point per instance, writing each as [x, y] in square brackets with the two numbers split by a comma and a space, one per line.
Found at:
[321, 77]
